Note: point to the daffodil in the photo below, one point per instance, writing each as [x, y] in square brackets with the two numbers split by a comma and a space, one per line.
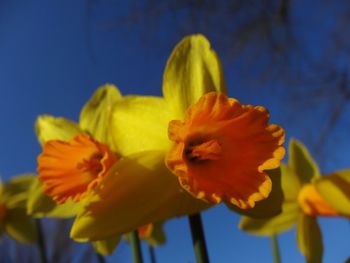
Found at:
[75, 158]
[308, 195]
[185, 152]
[14, 220]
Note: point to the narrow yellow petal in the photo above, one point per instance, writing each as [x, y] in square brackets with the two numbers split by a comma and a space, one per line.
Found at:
[309, 238]
[41, 205]
[192, 70]
[20, 226]
[139, 124]
[107, 246]
[273, 225]
[335, 190]
[16, 190]
[140, 190]
[301, 162]
[96, 114]
[55, 128]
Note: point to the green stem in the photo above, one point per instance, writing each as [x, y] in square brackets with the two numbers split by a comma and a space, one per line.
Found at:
[198, 238]
[41, 243]
[100, 258]
[152, 255]
[275, 249]
[135, 247]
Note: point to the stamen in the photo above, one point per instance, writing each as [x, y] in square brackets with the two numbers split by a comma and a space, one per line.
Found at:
[3, 210]
[210, 150]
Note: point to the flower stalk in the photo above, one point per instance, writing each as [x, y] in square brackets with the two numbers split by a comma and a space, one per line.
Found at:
[135, 247]
[198, 238]
[275, 249]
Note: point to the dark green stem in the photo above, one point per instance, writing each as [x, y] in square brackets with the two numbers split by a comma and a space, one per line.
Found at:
[100, 258]
[198, 239]
[152, 255]
[41, 242]
[135, 247]
[275, 249]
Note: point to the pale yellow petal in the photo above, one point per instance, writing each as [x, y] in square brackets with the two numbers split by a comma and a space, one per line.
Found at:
[139, 191]
[107, 246]
[309, 238]
[55, 128]
[16, 190]
[139, 124]
[301, 162]
[95, 117]
[41, 205]
[335, 190]
[20, 226]
[274, 225]
[192, 70]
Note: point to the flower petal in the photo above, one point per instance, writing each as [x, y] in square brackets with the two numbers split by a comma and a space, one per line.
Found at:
[107, 246]
[16, 190]
[138, 191]
[192, 70]
[139, 124]
[301, 162]
[95, 117]
[309, 238]
[55, 128]
[271, 206]
[335, 190]
[273, 225]
[20, 226]
[41, 205]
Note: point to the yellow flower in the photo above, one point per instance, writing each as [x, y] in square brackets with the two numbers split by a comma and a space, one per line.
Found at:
[14, 220]
[307, 196]
[218, 149]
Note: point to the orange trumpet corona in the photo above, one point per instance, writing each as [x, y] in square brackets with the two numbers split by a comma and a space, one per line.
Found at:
[222, 149]
[69, 169]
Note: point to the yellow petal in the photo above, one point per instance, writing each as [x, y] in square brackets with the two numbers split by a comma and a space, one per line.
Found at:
[55, 128]
[335, 190]
[268, 207]
[309, 238]
[192, 70]
[16, 190]
[107, 246]
[20, 226]
[96, 114]
[301, 162]
[139, 191]
[273, 225]
[41, 205]
[139, 124]
[290, 183]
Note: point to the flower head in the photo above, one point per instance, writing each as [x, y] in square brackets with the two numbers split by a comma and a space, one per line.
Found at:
[312, 203]
[218, 149]
[222, 148]
[70, 169]
[14, 220]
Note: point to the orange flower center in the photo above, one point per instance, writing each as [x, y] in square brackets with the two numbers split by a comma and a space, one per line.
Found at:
[313, 204]
[3, 210]
[70, 169]
[222, 149]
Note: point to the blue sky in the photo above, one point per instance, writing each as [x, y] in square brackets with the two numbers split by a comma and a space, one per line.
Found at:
[54, 54]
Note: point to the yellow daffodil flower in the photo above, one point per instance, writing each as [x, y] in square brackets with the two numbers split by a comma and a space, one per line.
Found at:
[14, 220]
[185, 152]
[75, 158]
[307, 196]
